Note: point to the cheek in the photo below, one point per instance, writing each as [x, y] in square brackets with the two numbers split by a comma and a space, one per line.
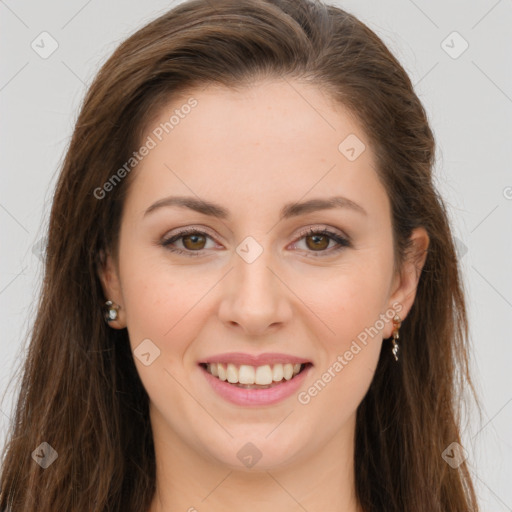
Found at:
[352, 307]
[162, 306]
[351, 299]
[157, 301]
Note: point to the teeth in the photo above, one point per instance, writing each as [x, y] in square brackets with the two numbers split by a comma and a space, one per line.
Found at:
[263, 375]
[277, 372]
[232, 373]
[220, 370]
[246, 374]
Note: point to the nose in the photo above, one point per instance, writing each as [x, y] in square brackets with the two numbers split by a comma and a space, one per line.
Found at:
[255, 298]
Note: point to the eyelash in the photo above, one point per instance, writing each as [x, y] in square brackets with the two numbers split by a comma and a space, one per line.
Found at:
[341, 241]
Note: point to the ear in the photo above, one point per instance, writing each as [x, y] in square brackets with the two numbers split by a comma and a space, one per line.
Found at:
[111, 284]
[405, 283]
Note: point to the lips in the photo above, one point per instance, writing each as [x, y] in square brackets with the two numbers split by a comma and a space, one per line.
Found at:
[254, 395]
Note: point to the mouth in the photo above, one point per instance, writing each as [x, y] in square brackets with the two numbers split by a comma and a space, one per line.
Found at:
[254, 377]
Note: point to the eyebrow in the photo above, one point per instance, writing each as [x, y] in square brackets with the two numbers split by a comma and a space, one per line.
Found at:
[289, 210]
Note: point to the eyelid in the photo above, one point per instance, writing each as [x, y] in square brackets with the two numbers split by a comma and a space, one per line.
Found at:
[340, 238]
[190, 230]
[323, 227]
[305, 231]
[182, 232]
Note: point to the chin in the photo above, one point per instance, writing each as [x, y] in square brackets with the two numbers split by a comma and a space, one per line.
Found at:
[253, 453]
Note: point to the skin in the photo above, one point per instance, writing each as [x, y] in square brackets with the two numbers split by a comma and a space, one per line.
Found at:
[252, 151]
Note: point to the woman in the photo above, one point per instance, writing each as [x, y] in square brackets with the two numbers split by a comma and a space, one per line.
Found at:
[251, 298]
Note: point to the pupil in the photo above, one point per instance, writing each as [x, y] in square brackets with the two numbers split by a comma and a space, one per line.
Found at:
[195, 239]
[318, 238]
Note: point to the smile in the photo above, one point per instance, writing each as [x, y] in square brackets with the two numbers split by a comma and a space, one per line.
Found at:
[254, 377]
[256, 394]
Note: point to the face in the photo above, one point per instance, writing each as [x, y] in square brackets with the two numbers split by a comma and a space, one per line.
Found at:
[256, 259]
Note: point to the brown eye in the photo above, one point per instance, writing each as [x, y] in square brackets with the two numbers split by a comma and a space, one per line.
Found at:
[318, 242]
[194, 241]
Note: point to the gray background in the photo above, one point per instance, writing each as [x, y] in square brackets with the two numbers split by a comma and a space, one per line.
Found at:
[468, 97]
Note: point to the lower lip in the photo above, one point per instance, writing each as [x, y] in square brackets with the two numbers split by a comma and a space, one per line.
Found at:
[266, 396]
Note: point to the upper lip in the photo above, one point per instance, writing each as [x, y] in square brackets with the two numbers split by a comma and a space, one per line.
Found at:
[238, 358]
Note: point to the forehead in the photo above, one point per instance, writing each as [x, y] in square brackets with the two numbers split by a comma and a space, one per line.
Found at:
[275, 114]
[257, 143]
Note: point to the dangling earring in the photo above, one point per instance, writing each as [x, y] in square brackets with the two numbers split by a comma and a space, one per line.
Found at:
[397, 322]
[111, 311]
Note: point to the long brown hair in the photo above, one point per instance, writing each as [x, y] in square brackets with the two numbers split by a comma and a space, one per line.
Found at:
[80, 390]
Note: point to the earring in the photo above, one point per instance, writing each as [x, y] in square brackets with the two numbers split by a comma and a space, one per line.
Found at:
[397, 322]
[111, 311]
